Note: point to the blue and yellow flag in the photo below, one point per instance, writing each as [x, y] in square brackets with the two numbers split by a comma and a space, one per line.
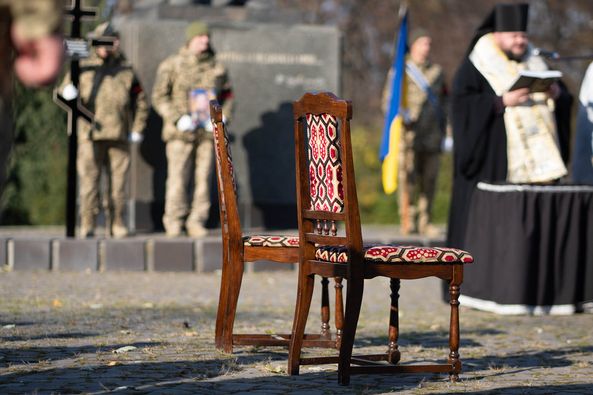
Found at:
[392, 131]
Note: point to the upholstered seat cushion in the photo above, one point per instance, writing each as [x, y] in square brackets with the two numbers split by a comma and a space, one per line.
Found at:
[397, 254]
[271, 241]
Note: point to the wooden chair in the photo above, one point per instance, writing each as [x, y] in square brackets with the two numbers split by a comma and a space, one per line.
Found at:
[238, 249]
[332, 246]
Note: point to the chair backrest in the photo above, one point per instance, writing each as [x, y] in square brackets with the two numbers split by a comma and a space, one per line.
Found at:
[227, 190]
[326, 188]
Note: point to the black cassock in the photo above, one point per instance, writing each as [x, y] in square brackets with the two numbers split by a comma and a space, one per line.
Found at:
[480, 150]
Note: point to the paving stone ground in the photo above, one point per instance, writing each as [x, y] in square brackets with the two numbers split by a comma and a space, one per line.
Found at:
[61, 332]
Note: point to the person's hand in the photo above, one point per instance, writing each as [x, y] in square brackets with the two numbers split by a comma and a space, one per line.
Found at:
[135, 137]
[554, 91]
[208, 126]
[70, 92]
[185, 124]
[37, 61]
[406, 117]
[447, 144]
[516, 97]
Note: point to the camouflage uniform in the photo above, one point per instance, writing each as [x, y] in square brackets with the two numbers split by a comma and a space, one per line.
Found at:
[110, 89]
[186, 151]
[421, 146]
[33, 18]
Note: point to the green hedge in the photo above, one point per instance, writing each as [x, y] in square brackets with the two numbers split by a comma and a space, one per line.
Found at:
[35, 193]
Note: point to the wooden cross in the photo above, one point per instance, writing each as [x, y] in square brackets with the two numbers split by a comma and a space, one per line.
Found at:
[75, 108]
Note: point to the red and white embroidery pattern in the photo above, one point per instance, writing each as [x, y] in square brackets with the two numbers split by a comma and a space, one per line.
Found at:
[271, 241]
[397, 254]
[325, 164]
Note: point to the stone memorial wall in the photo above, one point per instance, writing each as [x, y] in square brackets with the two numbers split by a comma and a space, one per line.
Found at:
[270, 66]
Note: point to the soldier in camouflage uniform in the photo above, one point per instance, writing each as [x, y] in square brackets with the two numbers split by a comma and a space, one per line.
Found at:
[110, 89]
[31, 46]
[189, 139]
[424, 132]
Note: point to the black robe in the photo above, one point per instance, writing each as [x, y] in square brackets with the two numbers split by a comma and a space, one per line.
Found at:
[480, 142]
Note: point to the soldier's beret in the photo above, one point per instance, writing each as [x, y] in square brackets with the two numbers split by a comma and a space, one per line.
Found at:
[196, 28]
[416, 34]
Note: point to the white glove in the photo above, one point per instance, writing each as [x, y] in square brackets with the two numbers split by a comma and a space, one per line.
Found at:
[208, 126]
[136, 137]
[70, 92]
[185, 124]
[406, 116]
[447, 144]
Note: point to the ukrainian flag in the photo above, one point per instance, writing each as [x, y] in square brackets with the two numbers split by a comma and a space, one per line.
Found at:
[392, 131]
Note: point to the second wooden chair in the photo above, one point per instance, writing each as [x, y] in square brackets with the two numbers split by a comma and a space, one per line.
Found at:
[238, 249]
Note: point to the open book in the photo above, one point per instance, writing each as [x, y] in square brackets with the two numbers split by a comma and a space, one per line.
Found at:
[536, 81]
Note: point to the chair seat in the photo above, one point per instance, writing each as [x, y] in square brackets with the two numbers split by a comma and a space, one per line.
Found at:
[271, 241]
[396, 254]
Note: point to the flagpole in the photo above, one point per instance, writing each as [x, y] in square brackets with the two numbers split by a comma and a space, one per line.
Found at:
[404, 201]
[403, 8]
[394, 127]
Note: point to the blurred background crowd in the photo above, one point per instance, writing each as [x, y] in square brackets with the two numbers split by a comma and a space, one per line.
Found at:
[34, 193]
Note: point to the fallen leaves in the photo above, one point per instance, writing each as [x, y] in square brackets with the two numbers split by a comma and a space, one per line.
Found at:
[124, 349]
[277, 369]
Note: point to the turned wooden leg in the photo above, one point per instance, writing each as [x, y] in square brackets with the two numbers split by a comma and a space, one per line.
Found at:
[393, 354]
[304, 295]
[339, 310]
[325, 331]
[454, 332]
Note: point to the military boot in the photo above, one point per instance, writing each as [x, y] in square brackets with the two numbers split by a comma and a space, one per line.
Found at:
[172, 229]
[430, 231]
[119, 230]
[425, 228]
[87, 226]
[196, 230]
[118, 227]
[408, 221]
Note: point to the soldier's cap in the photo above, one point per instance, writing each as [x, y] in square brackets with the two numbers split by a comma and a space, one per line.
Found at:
[104, 30]
[416, 34]
[196, 28]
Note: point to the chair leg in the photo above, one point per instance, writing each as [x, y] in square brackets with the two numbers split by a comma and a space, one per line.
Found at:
[353, 302]
[221, 314]
[393, 354]
[304, 295]
[235, 277]
[339, 310]
[325, 331]
[454, 332]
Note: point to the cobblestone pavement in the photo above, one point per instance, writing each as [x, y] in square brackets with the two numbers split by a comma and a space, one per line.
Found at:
[66, 333]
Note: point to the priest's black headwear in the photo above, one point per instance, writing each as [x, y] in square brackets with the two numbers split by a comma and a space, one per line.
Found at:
[503, 18]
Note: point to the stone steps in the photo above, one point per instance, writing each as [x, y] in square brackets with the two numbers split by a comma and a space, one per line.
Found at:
[152, 252]
[130, 254]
